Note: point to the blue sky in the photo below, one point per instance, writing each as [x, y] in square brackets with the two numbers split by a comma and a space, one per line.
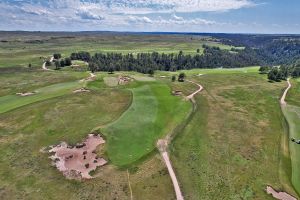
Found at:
[227, 16]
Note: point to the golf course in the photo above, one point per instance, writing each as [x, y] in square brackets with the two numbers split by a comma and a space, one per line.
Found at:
[184, 133]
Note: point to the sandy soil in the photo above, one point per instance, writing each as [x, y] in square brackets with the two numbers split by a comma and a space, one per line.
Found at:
[25, 94]
[44, 64]
[77, 162]
[279, 195]
[81, 90]
[282, 100]
[162, 146]
[197, 91]
[90, 78]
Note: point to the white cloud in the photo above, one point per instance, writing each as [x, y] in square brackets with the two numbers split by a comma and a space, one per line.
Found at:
[103, 14]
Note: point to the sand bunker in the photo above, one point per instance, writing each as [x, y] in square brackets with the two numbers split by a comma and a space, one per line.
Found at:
[25, 94]
[279, 195]
[123, 80]
[81, 90]
[77, 162]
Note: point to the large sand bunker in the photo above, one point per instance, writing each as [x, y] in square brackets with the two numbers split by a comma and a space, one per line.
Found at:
[77, 162]
[279, 195]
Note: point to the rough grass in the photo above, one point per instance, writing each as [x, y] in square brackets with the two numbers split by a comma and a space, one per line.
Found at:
[26, 173]
[235, 130]
[154, 113]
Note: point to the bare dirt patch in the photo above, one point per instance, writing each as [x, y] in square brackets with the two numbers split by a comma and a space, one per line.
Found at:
[78, 161]
[25, 94]
[81, 90]
[123, 80]
[279, 195]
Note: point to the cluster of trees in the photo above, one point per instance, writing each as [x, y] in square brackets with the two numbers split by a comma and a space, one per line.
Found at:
[83, 55]
[57, 56]
[282, 72]
[60, 62]
[212, 57]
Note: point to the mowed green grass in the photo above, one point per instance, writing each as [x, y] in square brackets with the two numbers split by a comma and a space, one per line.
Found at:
[153, 114]
[292, 114]
[236, 129]
[34, 48]
[14, 101]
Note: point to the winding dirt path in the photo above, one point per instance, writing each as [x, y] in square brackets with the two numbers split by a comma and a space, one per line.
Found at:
[197, 91]
[44, 67]
[282, 100]
[162, 146]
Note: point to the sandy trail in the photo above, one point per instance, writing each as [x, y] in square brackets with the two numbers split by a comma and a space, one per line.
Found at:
[282, 100]
[279, 195]
[197, 91]
[162, 146]
[44, 65]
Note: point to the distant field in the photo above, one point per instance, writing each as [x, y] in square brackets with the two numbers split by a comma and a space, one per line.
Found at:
[20, 50]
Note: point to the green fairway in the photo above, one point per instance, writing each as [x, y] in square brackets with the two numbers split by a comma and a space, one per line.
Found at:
[292, 114]
[10, 102]
[154, 113]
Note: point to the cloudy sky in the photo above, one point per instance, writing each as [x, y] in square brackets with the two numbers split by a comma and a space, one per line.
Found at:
[243, 16]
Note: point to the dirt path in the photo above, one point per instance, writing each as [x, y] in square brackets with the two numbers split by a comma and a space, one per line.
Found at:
[282, 100]
[162, 146]
[44, 64]
[129, 185]
[197, 91]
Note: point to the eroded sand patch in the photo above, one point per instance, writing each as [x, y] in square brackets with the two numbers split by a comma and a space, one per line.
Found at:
[78, 161]
[279, 195]
[81, 90]
[25, 94]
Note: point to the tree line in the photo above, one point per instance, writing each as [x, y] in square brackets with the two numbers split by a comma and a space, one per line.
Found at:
[282, 72]
[212, 57]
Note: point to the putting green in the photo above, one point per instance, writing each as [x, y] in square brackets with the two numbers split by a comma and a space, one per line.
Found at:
[10, 102]
[154, 113]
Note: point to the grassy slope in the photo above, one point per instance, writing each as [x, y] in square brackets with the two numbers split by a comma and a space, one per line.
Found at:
[292, 114]
[236, 129]
[153, 114]
[26, 173]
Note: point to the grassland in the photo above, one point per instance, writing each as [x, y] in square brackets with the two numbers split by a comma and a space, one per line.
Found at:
[237, 127]
[18, 50]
